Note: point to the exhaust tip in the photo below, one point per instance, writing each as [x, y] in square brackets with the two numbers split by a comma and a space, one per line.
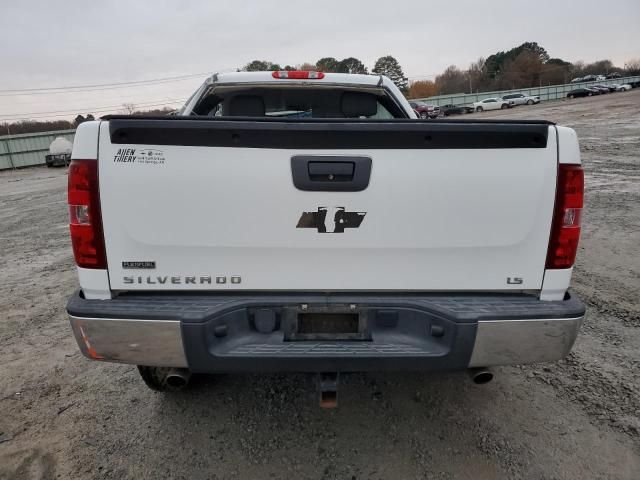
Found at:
[480, 376]
[178, 378]
[176, 381]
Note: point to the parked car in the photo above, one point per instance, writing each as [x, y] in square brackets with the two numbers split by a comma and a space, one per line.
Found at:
[609, 88]
[494, 103]
[425, 110]
[613, 75]
[590, 78]
[287, 276]
[577, 80]
[521, 98]
[624, 87]
[602, 89]
[582, 92]
[454, 109]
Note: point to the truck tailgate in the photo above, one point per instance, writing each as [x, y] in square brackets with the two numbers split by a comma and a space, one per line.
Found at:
[211, 205]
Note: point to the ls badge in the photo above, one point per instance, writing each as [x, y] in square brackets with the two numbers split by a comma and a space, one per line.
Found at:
[331, 219]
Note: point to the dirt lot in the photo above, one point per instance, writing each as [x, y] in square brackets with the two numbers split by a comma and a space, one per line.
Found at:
[65, 417]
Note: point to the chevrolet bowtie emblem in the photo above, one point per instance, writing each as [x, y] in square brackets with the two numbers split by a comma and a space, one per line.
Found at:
[330, 219]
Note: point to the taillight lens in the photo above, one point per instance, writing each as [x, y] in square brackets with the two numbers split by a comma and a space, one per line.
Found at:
[297, 74]
[565, 230]
[85, 220]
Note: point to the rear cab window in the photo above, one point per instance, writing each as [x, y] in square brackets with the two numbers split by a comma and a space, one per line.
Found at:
[297, 101]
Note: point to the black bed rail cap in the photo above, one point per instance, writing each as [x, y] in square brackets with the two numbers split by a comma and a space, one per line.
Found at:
[322, 134]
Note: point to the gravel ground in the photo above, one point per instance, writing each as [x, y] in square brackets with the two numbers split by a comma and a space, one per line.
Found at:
[65, 417]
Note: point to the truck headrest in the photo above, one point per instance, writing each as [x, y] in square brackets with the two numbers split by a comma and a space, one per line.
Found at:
[358, 104]
[246, 106]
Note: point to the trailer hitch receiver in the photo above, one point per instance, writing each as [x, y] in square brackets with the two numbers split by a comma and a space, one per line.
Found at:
[328, 388]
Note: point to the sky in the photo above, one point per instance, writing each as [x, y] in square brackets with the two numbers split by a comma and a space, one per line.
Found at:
[77, 43]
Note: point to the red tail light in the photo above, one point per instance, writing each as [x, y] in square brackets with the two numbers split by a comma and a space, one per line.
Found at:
[297, 74]
[85, 220]
[565, 230]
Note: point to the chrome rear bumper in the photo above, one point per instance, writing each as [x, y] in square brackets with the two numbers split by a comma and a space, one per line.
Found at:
[139, 342]
[218, 335]
[509, 342]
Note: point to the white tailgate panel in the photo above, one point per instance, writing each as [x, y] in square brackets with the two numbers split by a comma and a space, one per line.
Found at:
[435, 219]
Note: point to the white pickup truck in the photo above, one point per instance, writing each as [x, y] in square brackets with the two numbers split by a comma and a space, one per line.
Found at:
[308, 222]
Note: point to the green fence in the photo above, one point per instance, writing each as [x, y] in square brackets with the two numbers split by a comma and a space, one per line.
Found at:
[28, 149]
[551, 92]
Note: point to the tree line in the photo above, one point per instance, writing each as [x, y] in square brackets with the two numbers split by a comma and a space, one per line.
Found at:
[36, 126]
[527, 65]
[386, 65]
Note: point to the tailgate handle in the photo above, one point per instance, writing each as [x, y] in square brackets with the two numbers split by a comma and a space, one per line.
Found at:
[323, 173]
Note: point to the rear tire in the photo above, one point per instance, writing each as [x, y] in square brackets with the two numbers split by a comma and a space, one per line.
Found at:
[504, 106]
[479, 109]
[529, 102]
[570, 97]
[589, 94]
[156, 379]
